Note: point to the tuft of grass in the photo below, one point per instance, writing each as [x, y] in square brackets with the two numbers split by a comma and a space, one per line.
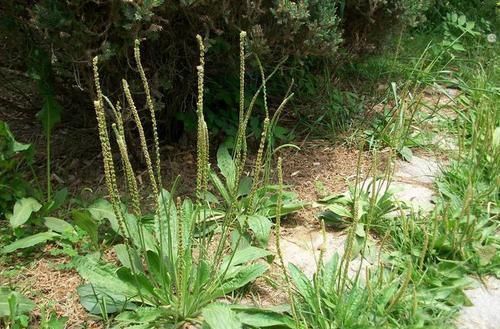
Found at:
[426, 260]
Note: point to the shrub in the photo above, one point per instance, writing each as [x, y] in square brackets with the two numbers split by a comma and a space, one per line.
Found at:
[72, 33]
[368, 23]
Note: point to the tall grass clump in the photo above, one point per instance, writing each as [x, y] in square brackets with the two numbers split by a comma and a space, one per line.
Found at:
[174, 267]
[431, 256]
[470, 186]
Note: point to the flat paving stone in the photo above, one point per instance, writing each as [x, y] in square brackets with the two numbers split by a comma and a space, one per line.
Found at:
[415, 196]
[303, 249]
[485, 311]
[419, 170]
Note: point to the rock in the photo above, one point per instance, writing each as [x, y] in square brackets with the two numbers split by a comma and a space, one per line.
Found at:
[303, 249]
[446, 143]
[414, 196]
[485, 313]
[418, 170]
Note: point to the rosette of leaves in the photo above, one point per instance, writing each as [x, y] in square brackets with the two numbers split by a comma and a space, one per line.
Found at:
[169, 273]
[254, 202]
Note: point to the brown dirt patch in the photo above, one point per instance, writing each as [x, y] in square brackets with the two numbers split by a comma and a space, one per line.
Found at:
[319, 169]
[54, 290]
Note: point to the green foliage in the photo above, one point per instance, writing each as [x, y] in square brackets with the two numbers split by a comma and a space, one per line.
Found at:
[13, 156]
[23, 210]
[61, 38]
[470, 185]
[430, 256]
[174, 263]
[51, 321]
[13, 309]
[370, 203]
[254, 207]
[477, 10]
[29, 216]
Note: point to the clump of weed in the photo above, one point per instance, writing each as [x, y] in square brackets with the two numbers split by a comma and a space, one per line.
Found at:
[175, 264]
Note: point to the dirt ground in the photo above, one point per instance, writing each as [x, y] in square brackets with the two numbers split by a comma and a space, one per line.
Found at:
[317, 169]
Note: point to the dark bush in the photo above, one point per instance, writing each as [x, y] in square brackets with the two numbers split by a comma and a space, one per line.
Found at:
[72, 32]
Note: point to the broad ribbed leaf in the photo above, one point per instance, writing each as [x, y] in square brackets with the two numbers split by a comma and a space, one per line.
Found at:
[50, 114]
[23, 210]
[83, 219]
[220, 316]
[262, 318]
[29, 241]
[23, 304]
[245, 186]
[97, 300]
[227, 167]
[299, 279]
[124, 256]
[102, 209]
[104, 276]
[221, 188]
[58, 225]
[140, 315]
[245, 255]
[340, 210]
[261, 228]
[166, 227]
[11, 145]
[138, 280]
[244, 275]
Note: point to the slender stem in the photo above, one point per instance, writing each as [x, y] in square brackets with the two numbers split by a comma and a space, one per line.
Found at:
[49, 186]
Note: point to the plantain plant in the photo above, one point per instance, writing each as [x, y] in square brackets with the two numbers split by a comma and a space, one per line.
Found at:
[173, 270]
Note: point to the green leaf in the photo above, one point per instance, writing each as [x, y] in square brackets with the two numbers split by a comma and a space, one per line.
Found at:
[23, 304]
[333, 219]
[245, 255]
[470, 25]
[50, 114]
[123, 256]
[29, 241]
[96, 300]
[140, 315]
[486, 254]
[299, 279]
[13, 146]
[360, 230]
[340, 210]
[83, 219]
[461, 20]
[102, 209]
[261, 228]
[243, 276]
[227, 167]
[138, 280]
[58, 225]
[245, 186]
[262, 318]
[406, 153]
[458, 47]
[220, 316]
[220, 187]
[58, 199]
[496, 137]
[454, 17]
[23, 210]
[54, 322]
[103, 275]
